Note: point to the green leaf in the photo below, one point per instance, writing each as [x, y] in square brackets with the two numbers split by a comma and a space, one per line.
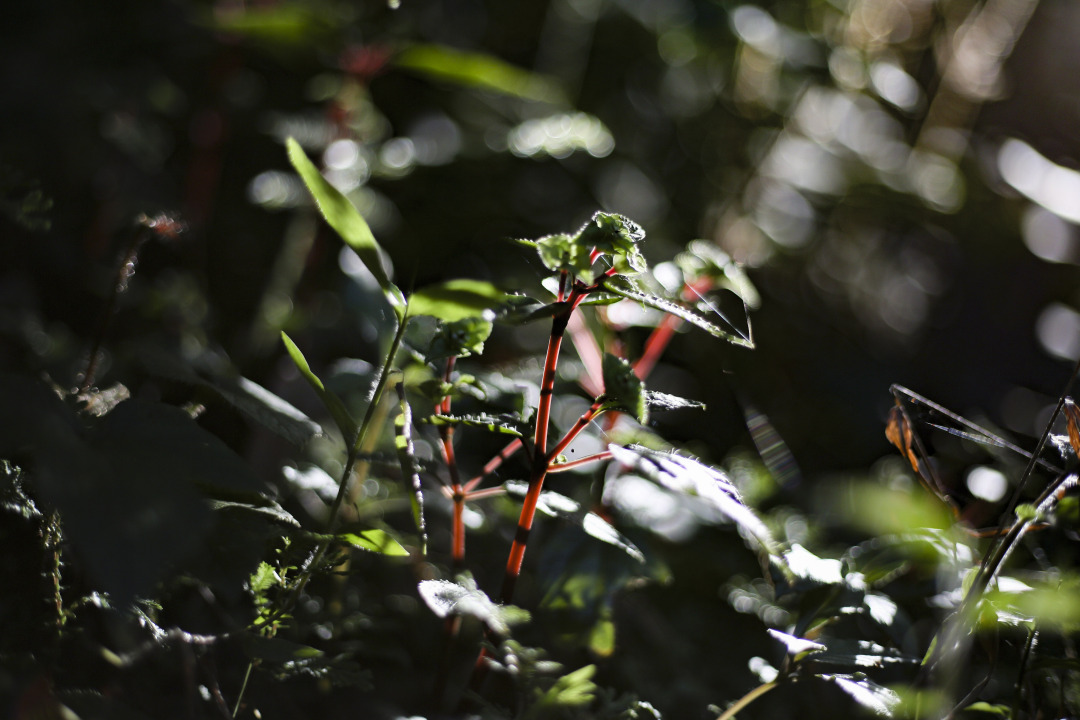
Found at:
[264, 578]
[376, 541]
[482, 72]
[572, 690]
[504, 423]
[332, 402]
[623, 389]
[705, 259]
[455, 300]
[679, 311]
[459, 339]
[447, 599]
[615, 236]
[409, 467]
[994, 709]
[346, 220]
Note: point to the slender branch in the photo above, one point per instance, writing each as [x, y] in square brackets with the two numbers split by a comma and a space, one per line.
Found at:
[582, 422]
[571, 464]
[494, 463]
[486, 493]
[747, 699]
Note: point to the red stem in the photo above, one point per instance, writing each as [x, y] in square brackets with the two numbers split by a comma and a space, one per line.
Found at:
[457, 525]
[540, 459]
[571, 464]
[494, 463]
[581, 424]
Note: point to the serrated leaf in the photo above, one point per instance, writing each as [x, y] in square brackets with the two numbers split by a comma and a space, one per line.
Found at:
[483, 72]
[263, 578]
[866, 692]
[346, 220]
[503, 423]
[679, 311]
[663, 401]
[623, 389]
[614, 236]
[330, 401]
[447, 599]
[374, 540]
[459, 339]
[692, 477]
[409, 467]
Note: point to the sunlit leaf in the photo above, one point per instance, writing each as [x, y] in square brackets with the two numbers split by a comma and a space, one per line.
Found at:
[663, 401]
[346, 220]
[692, 477]
[795, 645]
[331, 401]
[866, 692]
[506, 424]
[982, 706]
[572, 690]
[614, 236]
[482, 72]
[376, 541]
[623, 389]
[679, 311]
[455, 300]
[447, 599]
[879, 509]
[859, 655]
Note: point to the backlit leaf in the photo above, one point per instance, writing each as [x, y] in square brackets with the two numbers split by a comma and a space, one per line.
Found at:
[692, 477]
[332, 402]
[506, 424]
[679, 311]
[866, 692]
[346, 220]
[462, 338]
[1072, 423]
[377, 541]
[455, 300]
[482, 72]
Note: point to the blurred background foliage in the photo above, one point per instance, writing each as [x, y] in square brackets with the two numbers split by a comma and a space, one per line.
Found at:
[898, 176]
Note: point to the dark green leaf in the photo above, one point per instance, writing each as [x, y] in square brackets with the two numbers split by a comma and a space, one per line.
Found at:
[482, 72]
[332, 402]
[623, 389]
[346, 220]
[677, 310]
